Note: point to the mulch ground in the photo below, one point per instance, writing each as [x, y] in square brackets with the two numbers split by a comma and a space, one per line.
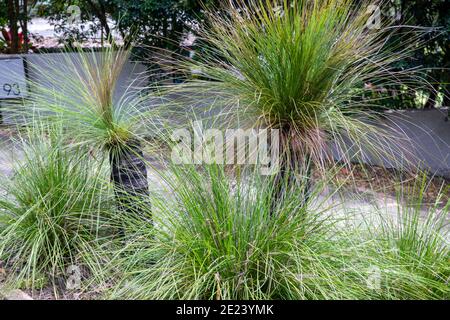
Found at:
[389, 182]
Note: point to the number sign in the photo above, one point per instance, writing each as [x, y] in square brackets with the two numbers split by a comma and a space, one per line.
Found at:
[12, 79]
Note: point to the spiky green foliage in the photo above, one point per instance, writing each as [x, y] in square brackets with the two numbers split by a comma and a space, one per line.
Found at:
[401, 249]
[78, 90]
[218, 238]
[303, 67]
[419, 244]
[53, 213]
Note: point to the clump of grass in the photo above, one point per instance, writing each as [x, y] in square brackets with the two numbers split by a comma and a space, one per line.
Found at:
[418, 247]
[218, 239]
[53, 213]
[77, 89]
[400, 250]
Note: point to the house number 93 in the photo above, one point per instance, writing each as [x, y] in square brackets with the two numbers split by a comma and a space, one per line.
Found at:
[11, 89]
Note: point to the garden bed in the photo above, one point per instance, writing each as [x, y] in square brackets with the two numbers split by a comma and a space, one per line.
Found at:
[382, 183]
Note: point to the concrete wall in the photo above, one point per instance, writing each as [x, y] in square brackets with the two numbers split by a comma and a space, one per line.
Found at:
[420, 138]
[428, 133]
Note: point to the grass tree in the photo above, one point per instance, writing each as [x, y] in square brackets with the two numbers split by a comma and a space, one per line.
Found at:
[77, 90]
[304, 68]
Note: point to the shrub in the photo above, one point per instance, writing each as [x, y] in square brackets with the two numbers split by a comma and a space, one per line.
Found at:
[416, 247]
[54, 212]
[217, 237]
[77, 91]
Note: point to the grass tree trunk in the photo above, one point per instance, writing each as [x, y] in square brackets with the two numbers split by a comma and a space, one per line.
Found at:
[295, 169]
[129, 177]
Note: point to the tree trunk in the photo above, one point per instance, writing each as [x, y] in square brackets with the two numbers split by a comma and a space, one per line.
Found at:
[104, 21]
[24, 25]
[13, 19]
[291, 165]
[100, 12]
[129, 177]
[446, 92]
[446, 102]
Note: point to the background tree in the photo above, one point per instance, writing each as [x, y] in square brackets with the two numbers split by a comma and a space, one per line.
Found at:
[3, 22]
[93, 18]
[14, 15]
[3, 14]
[158, 23]
[434, 55]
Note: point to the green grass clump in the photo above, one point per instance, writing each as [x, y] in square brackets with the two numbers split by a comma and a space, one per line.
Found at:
[212, 235]
[52, 213]
[418, 245]
[77, 90]
[216, 237]
[218, 240]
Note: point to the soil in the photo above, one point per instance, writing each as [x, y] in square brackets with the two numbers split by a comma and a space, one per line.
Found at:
[392, 183]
